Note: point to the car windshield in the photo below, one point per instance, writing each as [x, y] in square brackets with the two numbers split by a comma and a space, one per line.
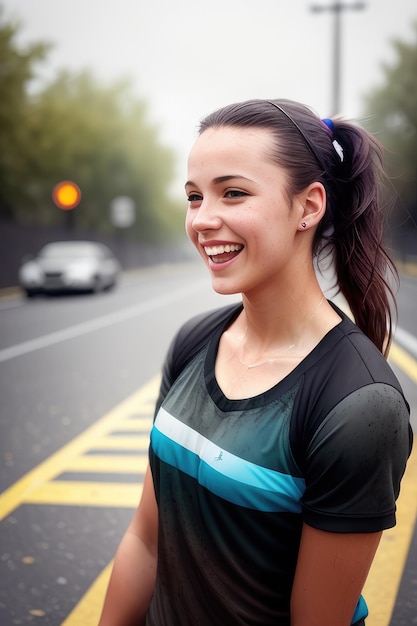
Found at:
[68, 251]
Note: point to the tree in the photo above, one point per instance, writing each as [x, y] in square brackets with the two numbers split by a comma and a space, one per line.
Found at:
[100, 138]
[16, 70]
[392, 109]
[73, 128]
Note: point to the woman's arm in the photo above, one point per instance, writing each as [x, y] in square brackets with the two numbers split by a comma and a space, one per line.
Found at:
[331, 571]
[133, 577]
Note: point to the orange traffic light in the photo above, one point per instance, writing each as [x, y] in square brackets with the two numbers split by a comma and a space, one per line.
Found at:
[66, 195]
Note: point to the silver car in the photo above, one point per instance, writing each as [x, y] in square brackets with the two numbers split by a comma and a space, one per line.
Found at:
[70, 266]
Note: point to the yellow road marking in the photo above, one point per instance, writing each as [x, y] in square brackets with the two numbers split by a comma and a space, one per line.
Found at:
[88, 610]
[113, 463]
[120, 442]
[381, 588]
[131, 426]
[81, 493]
[52, 467]
[384, 579]
[406, 362]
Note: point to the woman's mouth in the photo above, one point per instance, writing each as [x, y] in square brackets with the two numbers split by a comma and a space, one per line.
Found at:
[223, 253]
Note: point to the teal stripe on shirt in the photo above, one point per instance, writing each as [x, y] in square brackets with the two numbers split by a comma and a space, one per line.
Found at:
[237, 480]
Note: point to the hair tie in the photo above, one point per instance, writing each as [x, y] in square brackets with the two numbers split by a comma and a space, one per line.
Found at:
[329, 126]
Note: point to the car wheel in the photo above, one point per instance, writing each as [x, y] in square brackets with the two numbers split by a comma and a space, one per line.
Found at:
[97, 284]
[110, 286]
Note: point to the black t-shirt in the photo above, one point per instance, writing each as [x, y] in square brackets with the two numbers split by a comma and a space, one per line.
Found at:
[236, 479]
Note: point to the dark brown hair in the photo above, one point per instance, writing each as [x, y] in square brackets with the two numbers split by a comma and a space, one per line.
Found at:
[352, 228]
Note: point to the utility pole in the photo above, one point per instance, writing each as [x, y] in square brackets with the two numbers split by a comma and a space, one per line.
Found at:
[336, 8]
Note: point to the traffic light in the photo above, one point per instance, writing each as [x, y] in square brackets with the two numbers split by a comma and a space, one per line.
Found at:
[66, 195]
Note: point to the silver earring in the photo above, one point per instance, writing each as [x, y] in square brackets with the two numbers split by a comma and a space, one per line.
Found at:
[303, 224]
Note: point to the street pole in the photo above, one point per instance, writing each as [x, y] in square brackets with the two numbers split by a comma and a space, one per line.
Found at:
[336, 8]
[337, 44]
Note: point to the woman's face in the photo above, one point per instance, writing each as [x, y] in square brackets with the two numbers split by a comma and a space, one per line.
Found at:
[239, 217]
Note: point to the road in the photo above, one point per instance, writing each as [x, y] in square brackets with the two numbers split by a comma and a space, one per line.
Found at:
[78, 380]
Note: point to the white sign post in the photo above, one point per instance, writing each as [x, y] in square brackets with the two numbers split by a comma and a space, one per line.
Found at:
[122, 211]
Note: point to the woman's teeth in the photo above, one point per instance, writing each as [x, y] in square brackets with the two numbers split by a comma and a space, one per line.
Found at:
[215, 250]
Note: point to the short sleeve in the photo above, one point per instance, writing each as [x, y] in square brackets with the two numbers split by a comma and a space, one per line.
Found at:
[355, 462]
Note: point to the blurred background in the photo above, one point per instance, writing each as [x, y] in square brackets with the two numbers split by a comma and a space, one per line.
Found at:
[99, 105]
[108, 95]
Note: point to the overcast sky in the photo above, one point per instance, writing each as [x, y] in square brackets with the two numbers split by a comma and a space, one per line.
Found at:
[188, 57]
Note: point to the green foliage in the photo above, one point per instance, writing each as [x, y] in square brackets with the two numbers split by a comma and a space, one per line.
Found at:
[101, 139]
[393, 112]
[75, 129]
[16, 70]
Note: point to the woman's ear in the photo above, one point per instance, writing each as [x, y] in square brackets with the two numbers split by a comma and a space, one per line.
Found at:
[312, 205]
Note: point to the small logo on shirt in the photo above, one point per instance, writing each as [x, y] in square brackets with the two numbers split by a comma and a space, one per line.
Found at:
[219, 457]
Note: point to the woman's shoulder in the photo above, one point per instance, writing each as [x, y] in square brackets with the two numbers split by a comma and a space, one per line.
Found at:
[346, 363]
[201, 326]
[350, 350]
[190, 339]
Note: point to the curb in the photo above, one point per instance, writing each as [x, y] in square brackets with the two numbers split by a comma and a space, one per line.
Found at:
[10, 292]
[407, 267]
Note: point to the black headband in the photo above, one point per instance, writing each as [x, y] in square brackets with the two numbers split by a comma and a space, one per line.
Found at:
[328, 125]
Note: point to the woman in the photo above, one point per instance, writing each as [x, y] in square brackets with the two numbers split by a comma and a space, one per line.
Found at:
[281, 434]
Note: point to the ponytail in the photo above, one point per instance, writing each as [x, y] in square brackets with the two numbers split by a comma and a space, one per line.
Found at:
[353, 228]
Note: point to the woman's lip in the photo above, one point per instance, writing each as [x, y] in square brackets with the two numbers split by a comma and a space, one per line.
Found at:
[218, 267]
[219, 242]
[222, 263]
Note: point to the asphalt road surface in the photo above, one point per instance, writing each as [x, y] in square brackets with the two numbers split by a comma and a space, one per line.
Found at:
[78, 380]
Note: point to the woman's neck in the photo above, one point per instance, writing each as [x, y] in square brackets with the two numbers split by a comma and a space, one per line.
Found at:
[281, 316]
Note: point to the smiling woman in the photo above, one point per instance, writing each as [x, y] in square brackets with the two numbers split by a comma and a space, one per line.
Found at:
[281, 434]
[231, 209]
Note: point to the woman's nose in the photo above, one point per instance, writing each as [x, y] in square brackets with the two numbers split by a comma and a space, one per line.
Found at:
[206, 217]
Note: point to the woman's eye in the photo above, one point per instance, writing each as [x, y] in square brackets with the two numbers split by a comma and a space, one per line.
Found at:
[194, 197]
[234, 193]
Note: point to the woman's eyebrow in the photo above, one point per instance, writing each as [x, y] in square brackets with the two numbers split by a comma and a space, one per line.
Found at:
[224, 179]
[219, 179]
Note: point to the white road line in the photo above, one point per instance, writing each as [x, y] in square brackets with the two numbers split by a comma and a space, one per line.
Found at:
[96, 324]
[10, 304]
[406, 340]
